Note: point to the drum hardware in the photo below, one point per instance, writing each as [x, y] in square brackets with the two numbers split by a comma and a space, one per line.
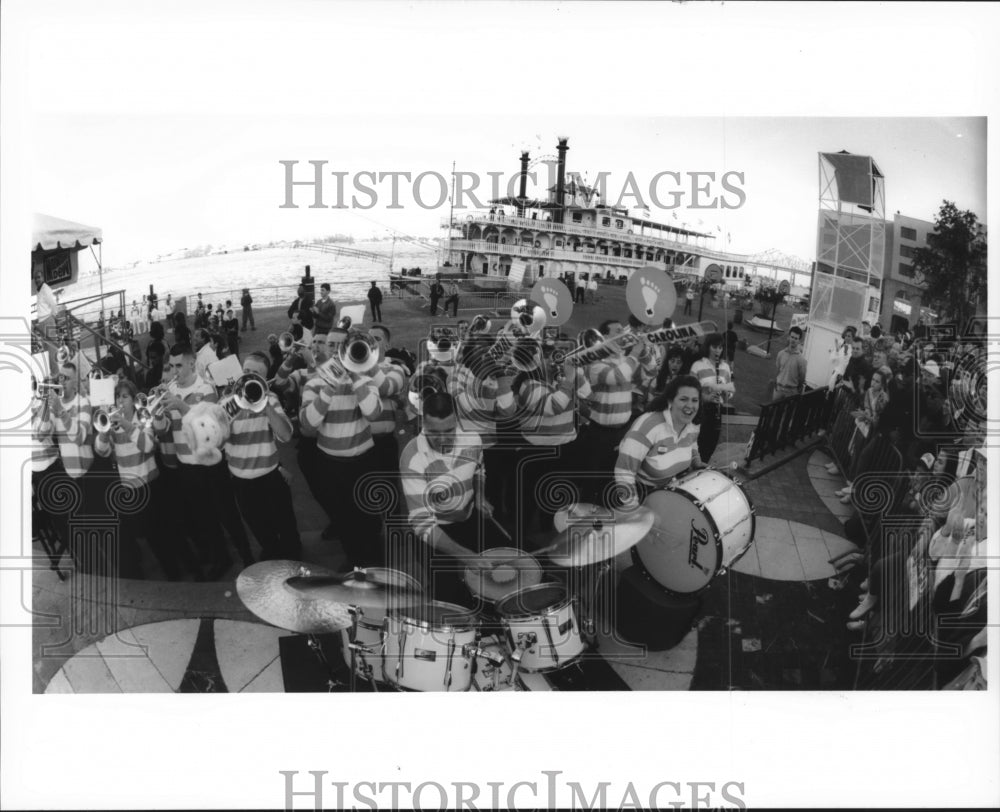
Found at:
[544, 611]
[317, 650]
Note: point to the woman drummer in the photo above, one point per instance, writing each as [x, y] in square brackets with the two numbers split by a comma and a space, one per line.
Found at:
[662, 443]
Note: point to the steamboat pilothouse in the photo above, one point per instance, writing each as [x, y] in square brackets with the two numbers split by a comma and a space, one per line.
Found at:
[574, 233]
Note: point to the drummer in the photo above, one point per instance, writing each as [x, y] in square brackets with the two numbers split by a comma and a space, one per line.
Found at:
[442, 474]
[662, 443]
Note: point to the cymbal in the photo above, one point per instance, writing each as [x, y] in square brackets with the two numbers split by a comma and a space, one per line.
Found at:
[607, 534]
[581, 512]
[263, 589]
[373, 590]
[503, 570]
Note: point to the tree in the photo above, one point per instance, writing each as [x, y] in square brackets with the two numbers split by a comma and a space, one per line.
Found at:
[952, 268]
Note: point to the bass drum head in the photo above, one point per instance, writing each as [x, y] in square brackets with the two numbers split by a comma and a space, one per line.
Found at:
[681, 551]
[532, 601]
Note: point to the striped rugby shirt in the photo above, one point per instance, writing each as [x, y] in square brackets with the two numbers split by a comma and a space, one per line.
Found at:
[549, 411]
[611, 395]
[707, 374]
[653, 452]
[252, 450]
[72, 432]
[478, 405]
[440, 488]
[173, 433]
[44, 450]
[392, 380]
[134, 453]
[340, 416]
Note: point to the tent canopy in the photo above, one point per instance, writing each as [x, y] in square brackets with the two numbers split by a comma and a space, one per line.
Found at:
[49, 233]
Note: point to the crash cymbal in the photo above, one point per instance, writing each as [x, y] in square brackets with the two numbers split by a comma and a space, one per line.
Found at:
[502, 570]
[374, 590]
[264, 590]
[606, 534]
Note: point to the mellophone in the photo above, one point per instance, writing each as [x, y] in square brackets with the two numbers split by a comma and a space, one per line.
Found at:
[392, 634]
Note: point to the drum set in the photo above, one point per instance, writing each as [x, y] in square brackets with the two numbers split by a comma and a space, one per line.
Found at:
[529, 618]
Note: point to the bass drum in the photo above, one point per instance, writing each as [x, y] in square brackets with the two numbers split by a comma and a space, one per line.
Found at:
[704, 523]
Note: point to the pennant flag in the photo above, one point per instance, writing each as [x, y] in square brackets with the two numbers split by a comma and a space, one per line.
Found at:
[674, 215]
[719, 229]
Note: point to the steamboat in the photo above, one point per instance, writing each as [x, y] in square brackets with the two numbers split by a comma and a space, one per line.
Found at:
[574, 234]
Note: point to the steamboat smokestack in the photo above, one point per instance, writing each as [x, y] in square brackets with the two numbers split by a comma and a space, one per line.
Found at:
[523, 189]
[561, 180]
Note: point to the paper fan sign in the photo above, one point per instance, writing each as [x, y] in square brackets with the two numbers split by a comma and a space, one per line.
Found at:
[554, 297]
[651, 295]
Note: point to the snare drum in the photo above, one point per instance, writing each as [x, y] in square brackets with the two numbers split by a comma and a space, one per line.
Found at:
[430, 648]
[704, 523]
[371, 622]
[491, 581]
[541, 621]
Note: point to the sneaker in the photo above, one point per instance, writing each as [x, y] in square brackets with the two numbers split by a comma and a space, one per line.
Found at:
[864, 607]
[832, 468]
[856, 625]
[845, 499]
[864, 585]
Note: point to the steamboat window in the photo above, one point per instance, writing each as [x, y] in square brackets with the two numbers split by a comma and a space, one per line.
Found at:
[619, 224]
[577, 217]
[605, 221]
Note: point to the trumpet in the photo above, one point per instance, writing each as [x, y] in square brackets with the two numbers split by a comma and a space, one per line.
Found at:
[249, 392]
[424, 384]
[148, 408]
[360, 353]
[102, 420]
[344, 323]
[97, 374]
[287, 343]
[62, 355]
[331, 371]
[43, 389]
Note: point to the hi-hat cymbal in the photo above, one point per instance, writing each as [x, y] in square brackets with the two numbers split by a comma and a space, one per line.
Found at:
[600, 537]
[374, 590]
[502, 570]
[264, 590]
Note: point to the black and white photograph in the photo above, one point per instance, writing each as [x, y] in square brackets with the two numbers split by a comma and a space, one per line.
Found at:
[637, 355]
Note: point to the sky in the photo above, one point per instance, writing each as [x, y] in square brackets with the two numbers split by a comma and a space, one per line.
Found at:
[157, 183]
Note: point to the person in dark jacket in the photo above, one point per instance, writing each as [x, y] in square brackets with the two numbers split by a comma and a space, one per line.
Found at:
[325, 310]
[246, 302]
[437, 291]
[375, 300]
[300, 311]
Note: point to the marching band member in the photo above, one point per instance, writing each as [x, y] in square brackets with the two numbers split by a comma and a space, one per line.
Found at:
[717, 388]
[338, 408]
[546, 404]
[204, 353]
[662, 442]
[132, 446]
[442, 473]
[47, 469]
[262, 491]
[393, 379]
[72, 418]
[205, 488]
[610, 412]
[669, 369]
[482, 395]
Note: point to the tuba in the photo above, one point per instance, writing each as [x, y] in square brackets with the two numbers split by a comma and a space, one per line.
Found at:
[528, 316]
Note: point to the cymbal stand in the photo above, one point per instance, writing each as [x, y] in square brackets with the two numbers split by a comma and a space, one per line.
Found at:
[587, 597]
[317, 649]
